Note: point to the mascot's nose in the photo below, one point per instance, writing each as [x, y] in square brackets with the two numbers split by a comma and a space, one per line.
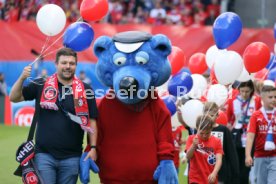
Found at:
[129, 85]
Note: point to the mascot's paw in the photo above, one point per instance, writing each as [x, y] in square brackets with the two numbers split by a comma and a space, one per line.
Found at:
[85, 167]
[166, 173]
[93, 166]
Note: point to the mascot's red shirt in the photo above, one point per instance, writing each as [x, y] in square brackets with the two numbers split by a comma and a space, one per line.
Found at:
[130, 142]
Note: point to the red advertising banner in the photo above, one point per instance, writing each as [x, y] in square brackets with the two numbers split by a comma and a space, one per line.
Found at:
[24, 116]
[22, 37]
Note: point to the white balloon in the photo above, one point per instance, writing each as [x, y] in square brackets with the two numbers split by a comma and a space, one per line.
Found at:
[211, 55]
[199, 86]
[244, 76]
[228, 66]
[190, 111]
[50, 19]
[217, 93]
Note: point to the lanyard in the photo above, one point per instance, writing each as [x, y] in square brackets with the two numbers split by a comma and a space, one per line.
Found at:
[71, 116]
[266, 117]
[242, 105]
[60, 98]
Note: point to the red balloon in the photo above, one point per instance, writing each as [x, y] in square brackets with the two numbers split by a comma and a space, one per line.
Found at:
[213, 78]
[197, 63]
[222, 118]
[256, 56]
[93, 10]
[177, 59]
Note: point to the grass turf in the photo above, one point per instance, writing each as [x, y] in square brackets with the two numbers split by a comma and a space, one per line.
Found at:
[12, 136]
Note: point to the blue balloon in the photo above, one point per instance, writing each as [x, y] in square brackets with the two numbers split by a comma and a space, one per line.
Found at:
[275, 31]
[170, 103]
[78, 36]
[180, 84]
[185, 69]
[227, 29]
[272, 74]
[272, 62]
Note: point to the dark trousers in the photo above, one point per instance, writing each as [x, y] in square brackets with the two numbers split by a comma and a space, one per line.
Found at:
[244, 171]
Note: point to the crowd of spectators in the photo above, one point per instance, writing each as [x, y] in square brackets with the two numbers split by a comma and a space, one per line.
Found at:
[156, 12]
[26, 10]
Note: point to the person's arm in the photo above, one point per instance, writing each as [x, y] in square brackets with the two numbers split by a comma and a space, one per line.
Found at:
[16, 91]
[212, 177]
[93, 136]
[251, 132]
[249, 143]
[191, 150]
[93, 140]
[93, 114]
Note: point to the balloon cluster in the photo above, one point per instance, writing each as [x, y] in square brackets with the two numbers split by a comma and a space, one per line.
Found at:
[78, 36]
[225, 67]
[229, 65]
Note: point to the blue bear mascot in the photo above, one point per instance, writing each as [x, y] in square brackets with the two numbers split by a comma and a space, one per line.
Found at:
[135, 144]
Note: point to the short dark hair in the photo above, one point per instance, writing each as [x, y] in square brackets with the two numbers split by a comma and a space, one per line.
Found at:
[267, 88]
[66, 52]
[204, 122]
[249, 84]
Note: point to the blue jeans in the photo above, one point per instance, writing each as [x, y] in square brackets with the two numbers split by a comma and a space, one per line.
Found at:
[265, 170]
[55, 171]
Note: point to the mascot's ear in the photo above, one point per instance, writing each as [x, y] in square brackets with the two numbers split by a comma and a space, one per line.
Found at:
[161, 44]
[102, 44]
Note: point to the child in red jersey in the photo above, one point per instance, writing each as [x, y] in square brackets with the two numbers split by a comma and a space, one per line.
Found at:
[229, 171]
[262, 129]
[204, 152]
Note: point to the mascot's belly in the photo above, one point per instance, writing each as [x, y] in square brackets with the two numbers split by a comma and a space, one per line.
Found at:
[127, 145]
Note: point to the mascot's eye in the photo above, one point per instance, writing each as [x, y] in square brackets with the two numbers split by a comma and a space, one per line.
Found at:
[120, 61]
[141, 60]
[142, 57]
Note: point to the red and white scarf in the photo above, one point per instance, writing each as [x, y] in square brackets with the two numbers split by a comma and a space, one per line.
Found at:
[50, 94]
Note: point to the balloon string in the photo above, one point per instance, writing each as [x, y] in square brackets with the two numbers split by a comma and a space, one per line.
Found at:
[40, 55]
[42, 83]
[44, 46]
[230, 95]
[79, 19]
[33, 81]
[269, 68]
[203, 119]
[205, 114]
[51, 52]
[44, 49]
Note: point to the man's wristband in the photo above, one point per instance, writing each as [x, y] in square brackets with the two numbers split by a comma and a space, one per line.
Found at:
[93, 147]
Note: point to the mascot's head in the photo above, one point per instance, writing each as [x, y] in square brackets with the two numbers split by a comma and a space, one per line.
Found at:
[133, 62]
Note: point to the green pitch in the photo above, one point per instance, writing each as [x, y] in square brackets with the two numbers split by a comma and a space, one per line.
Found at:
[11, 137]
